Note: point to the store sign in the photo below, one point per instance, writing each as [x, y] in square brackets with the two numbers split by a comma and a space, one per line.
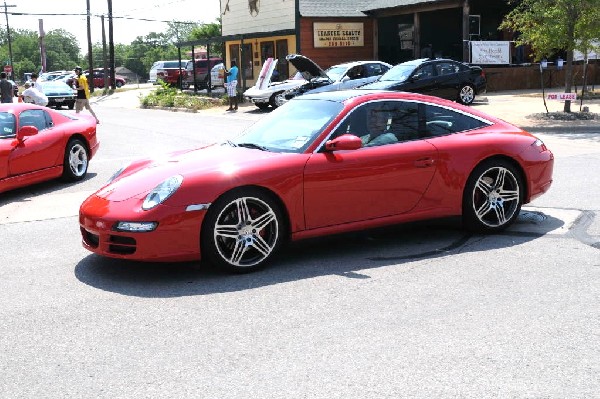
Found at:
[561, 96]
[490, 52]
[350, 34]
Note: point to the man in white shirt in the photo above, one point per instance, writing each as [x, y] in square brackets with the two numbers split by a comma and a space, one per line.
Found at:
[33, 95]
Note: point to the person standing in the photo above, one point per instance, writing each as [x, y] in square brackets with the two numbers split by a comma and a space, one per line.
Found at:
[232, 87]
[35, 82]
[83, 93]
[6, 89]
[32, 94]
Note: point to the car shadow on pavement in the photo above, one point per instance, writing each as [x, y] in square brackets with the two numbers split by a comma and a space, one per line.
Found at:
[349, 255]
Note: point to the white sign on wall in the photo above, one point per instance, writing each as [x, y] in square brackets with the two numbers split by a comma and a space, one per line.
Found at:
[348, 34]
[490, 52]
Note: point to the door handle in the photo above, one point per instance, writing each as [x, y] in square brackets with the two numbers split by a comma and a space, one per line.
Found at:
[424, 162]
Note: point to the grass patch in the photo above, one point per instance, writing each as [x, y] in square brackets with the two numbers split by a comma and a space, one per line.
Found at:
[171, 97]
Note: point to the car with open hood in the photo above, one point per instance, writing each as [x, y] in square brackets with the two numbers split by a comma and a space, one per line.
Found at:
[267, 87]
[348, 75]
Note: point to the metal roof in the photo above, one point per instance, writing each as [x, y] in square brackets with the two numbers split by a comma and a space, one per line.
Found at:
[351, 8]
[333, 8]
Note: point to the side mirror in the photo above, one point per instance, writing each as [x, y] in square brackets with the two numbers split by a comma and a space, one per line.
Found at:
[26, 131]
[344, 142]
[346, 78]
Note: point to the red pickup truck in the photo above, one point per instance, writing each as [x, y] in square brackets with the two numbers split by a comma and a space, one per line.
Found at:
[203, 67]
[174, 73]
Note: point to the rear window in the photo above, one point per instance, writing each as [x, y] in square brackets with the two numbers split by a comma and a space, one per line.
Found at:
[171, 64]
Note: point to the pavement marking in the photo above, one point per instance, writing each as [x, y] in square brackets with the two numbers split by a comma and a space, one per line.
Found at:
[43, 207]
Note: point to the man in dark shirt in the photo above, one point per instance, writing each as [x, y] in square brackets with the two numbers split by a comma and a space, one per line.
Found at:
[6, 89]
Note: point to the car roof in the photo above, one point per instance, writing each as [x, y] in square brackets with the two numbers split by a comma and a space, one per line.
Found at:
[354, 63]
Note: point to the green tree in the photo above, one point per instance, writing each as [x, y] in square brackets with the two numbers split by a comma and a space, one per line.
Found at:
[209, 31]
[549, 26]
[62, 50]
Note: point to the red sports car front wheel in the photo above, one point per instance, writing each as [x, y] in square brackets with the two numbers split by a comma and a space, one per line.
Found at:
[242, 230]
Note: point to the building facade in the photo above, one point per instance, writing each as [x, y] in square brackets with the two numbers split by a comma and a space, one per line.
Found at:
[334, 31]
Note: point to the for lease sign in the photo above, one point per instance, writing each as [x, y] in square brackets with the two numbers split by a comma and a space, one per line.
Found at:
[350, 34]
[561, 96]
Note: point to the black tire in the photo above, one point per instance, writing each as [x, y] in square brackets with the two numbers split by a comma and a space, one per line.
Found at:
[71, 105]
[493, 196]
[466, 94]
[76, 160]
[272, 101]
[262, 106]
[119, 84]
[242, 230]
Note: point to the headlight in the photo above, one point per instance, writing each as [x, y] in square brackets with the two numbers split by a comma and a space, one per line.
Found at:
[161, 192]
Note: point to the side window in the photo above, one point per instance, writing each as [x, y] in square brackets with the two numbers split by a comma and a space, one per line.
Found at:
[441, 121]
[425, 71]
[382, 122]
[7, 125]
[445, 68]
[35, 117]
[374, 70]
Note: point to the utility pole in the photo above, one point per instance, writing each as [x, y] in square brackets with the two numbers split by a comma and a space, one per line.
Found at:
[89, 44]
[42, 45]
[111, 46]
[10, 61]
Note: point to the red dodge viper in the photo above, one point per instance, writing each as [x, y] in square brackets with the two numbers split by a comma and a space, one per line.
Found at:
[38, 144]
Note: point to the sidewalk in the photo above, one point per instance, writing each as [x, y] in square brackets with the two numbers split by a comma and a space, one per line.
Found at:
[520, 107]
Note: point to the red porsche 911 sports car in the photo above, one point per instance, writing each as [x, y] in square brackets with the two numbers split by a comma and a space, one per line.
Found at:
[38, 144]
[321, 164]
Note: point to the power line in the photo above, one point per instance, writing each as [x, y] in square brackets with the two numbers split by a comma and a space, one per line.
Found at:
[99, 15]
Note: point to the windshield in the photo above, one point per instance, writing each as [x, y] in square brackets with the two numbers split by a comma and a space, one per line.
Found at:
[291, 127]
[399, 73]
[335, 73]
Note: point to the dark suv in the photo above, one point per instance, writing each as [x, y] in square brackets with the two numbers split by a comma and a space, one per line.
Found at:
[202, 70]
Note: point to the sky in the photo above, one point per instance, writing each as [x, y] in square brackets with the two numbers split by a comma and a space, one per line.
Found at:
[124, 30]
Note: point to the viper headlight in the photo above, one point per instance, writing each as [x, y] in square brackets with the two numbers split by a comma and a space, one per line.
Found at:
[161, 192]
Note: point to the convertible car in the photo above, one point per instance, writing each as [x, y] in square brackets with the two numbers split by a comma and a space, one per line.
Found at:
[321, 164]
[38, 144]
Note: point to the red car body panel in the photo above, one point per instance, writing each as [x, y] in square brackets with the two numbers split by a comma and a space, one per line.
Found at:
[40, 157]
[321, 192]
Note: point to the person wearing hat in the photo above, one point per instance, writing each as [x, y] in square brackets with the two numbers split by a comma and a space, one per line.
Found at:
[33, 95]
[83, 93]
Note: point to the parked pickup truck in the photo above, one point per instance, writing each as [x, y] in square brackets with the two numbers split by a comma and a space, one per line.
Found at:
[172, 74]
[203, 67]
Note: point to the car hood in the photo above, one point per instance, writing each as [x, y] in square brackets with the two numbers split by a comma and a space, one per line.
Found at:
[306, 67]
[197, 166]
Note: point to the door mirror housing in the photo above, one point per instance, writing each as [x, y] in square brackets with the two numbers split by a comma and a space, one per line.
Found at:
[344, 142]
[26, 131]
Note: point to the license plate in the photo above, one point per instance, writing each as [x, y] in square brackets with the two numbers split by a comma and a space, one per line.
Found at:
[59, 100]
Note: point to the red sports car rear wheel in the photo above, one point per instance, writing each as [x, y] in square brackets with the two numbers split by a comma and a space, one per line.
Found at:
[493, 196]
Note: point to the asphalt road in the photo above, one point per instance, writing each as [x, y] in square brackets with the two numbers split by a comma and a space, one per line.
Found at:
[425, 310]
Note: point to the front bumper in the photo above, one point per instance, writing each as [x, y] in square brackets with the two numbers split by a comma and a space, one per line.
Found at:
[175, 239]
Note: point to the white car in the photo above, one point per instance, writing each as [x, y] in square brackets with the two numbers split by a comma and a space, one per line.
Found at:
[263, 93]
[153, 69]
[217, 75]
[346, 76]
